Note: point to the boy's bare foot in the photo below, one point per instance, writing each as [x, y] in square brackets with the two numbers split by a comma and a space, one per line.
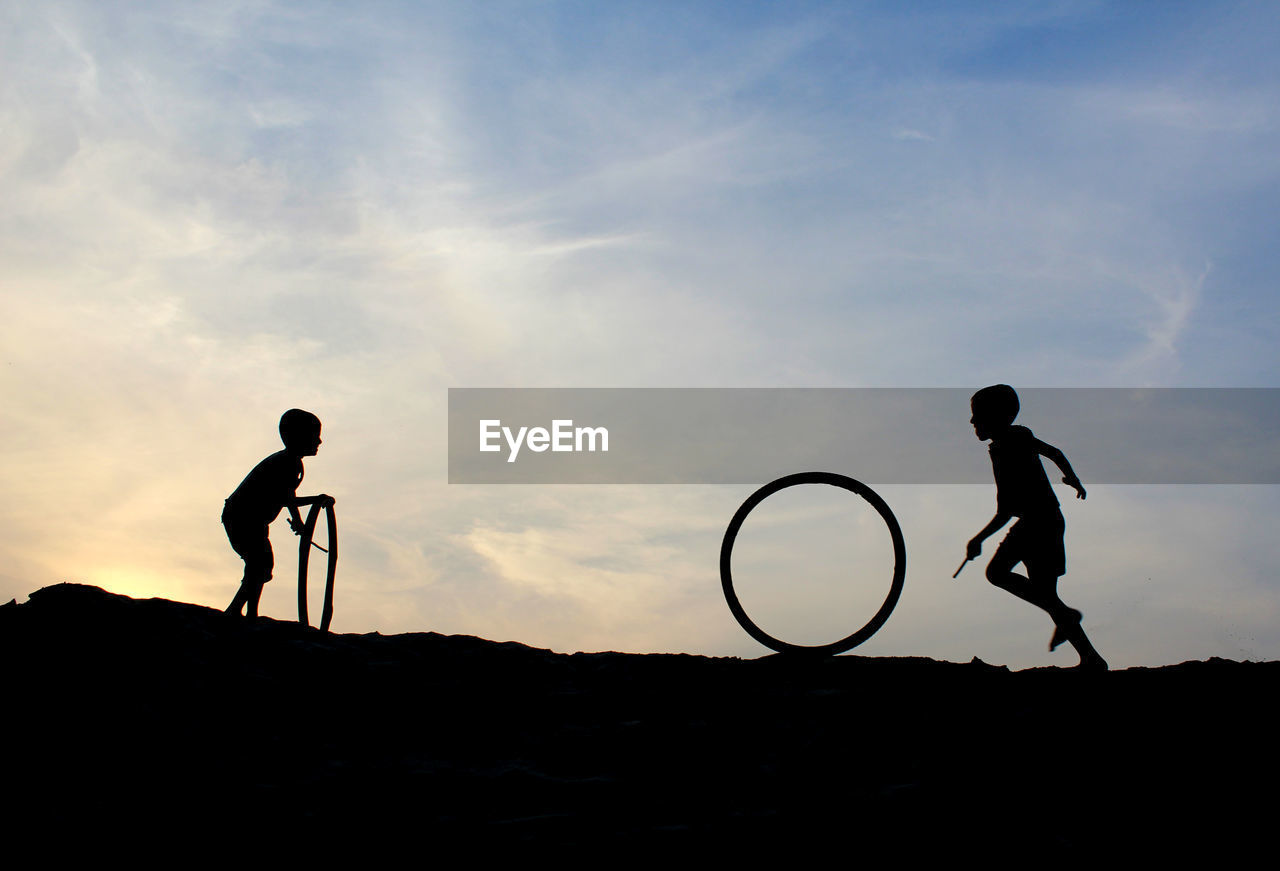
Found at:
[1063, 630]
[1093, 663]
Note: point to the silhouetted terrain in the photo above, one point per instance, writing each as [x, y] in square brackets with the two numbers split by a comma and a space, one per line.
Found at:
[129, 719]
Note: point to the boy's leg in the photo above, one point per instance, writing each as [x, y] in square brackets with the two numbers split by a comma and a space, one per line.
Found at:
[254, 547]
[1072, 630]
[256, 574]
[238, 602]
[251, 601]
[250, 590]
[1089, 657]
[1067, 625]
[1062, 629]
[1036, 590]
[250, 542]
[1038, 545]
[1066, 619]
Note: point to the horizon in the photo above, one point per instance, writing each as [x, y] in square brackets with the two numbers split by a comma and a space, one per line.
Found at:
[217, 212]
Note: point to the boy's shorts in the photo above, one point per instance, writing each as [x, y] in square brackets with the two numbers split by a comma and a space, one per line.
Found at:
[251, 542]
[1036, 542]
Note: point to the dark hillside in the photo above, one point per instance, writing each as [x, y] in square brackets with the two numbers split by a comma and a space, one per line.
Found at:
[124, 713]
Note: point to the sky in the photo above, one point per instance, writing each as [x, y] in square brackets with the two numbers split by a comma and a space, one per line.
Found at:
[212, 212]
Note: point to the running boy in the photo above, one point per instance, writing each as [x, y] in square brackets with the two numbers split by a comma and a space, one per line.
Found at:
[271, 485]
[1035, 540]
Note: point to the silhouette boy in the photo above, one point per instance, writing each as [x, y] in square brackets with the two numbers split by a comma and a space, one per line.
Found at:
[271, 485]
[1035, 539]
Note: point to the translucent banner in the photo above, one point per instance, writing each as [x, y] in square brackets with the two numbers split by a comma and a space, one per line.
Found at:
[876, 435]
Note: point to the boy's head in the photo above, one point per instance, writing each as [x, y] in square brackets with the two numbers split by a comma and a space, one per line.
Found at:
[300, 432]
[994, 409]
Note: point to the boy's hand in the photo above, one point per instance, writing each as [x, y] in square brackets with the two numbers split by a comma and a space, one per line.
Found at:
[974, 550]
[296, 526]
[324, 500]
[1074, 482]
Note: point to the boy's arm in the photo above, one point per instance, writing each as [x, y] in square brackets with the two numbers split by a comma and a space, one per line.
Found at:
[295, 519]
[322, 499]
[975, 543]
[1060, 460]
